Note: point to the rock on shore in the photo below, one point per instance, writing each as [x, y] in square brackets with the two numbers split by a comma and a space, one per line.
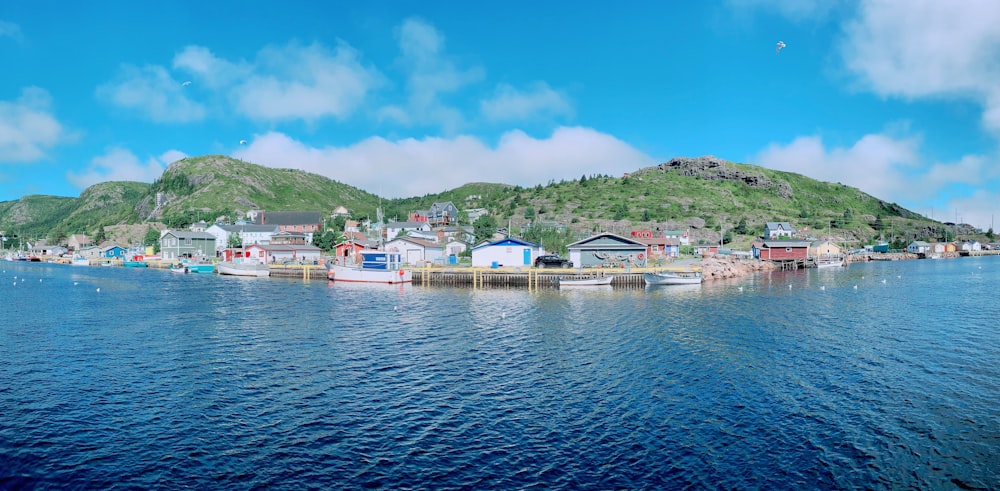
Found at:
[714, 268]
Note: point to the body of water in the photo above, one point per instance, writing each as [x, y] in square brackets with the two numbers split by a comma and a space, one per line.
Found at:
[877, 376]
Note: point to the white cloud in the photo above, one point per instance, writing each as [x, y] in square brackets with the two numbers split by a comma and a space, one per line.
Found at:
[888, 169]
[430, 73]
[120, 164]
[876, 164]
[921, 48]
[27, 127]
[10, 29]
[978, 209]
[411, 167]
[305, 82]
[151, 91]
[508, 103]
[209, 70]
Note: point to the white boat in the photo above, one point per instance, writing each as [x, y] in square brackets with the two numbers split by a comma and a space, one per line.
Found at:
[375, 267]
[594, 281]
[830, 263]
[80, 261]
[673, 278]
[243, 269]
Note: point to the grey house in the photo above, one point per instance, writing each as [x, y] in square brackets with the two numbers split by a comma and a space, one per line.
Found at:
[608, 250]
[776, 230]
[176, 244]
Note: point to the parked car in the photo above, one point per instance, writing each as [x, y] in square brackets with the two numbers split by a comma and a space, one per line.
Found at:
[552, 261]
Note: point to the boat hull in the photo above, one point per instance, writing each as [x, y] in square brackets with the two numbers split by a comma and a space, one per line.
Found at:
[244, 269]
[655, 279]
[603, 281]
[361, 275]
[200, 268]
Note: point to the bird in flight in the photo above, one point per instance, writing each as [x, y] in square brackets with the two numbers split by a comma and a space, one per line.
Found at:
[185, 84]
[781, 44]
[243, 142]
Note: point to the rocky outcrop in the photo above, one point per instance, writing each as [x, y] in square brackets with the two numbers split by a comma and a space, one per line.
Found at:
[721, 267]
[712, 168]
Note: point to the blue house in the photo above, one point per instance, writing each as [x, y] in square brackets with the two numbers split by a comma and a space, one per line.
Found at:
[113, 252]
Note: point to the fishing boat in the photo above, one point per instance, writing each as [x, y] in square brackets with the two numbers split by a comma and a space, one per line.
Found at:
[374, 267]
[134, 264]
[673, 278]
[207, 268]
[244, 269]
[592, 281]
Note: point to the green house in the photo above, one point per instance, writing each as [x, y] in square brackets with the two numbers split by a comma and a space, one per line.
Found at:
[175, 245]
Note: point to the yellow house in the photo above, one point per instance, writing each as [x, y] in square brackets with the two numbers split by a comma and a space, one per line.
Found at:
[824, 248]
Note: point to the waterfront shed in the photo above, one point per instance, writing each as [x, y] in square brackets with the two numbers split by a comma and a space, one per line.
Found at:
[783, 250]
[414, 251]
[918, 247]
[506, 252]
[608, 250]
[824, 249]
[175, 244]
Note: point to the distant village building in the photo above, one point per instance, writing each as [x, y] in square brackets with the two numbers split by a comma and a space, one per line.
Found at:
[777, 230]
[506, 252]
[247, 233]
[415, 251]
[608, 250]
[394, 229]
[441, 214]
[339, 211]
[77, 241]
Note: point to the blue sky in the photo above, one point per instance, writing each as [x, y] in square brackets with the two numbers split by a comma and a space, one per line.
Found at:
[896, 97]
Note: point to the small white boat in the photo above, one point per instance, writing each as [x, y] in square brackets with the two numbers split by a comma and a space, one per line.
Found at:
[80, 261]
[594, 281]
[243, 269]
[830, 263]
[375, 267]
[673, 278]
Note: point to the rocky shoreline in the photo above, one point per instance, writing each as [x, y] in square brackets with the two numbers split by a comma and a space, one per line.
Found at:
[717, 268]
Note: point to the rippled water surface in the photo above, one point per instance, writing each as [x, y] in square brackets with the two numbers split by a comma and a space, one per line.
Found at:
[881, 376]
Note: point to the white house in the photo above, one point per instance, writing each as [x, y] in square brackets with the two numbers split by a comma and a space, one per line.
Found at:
[972, 246]
[281, 253]
[393, 229]
[774, 230]
[414, 251]
[918, 247]
[248, 233]
[455, 247]
[506, 252]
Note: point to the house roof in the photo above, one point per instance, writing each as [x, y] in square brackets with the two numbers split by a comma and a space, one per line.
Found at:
[252, 228]
[288, 248]
[406, 225]
[659, 240]
[785, 243]
[292, 217]
[420, 242]
[774, 225]
[508, 241]
[186, 234]
[606, 241]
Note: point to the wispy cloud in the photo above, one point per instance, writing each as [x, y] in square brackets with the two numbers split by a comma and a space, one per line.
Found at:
[120, 164]
[430, 75]
[509, 103]
[795, 10]
[927, 48]
[413, 167]
[27, 127]
[152, 92]
[10, 29]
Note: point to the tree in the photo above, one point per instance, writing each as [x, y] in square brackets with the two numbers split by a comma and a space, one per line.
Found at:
[152, 238]
[326, 240]
[484, 227]
[529, 212]
[741, 227]
[235, 240]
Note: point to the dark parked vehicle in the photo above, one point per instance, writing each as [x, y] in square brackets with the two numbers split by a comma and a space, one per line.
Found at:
[552, 261]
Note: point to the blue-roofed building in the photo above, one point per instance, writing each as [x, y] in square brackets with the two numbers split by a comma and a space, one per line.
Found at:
[506, 252]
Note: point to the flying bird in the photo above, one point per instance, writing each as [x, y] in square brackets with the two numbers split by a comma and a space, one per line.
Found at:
[243, 142]
[185, 84]
[781, 44]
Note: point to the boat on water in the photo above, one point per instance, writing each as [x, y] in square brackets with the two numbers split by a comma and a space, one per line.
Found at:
[592, 281]
[673, 278]
[375, 267]
[135, 264]
[205, 268]
[243, 269]
[830, 263]
[80, 261]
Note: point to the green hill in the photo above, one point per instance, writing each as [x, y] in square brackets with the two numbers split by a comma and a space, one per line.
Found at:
[705, 195]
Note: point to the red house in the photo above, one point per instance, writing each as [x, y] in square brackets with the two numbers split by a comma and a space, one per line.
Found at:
[782, 250]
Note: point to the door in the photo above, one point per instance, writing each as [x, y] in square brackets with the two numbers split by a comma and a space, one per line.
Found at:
[527, 256]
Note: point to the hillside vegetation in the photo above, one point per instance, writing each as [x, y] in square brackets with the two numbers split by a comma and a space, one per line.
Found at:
[708, 196]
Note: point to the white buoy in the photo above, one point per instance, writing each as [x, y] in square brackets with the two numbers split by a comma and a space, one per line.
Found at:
[822, 287]
[855, 287]
[883, 280]
[98, 290]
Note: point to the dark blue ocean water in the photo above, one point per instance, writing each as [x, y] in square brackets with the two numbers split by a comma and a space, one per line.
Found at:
[798, 380]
